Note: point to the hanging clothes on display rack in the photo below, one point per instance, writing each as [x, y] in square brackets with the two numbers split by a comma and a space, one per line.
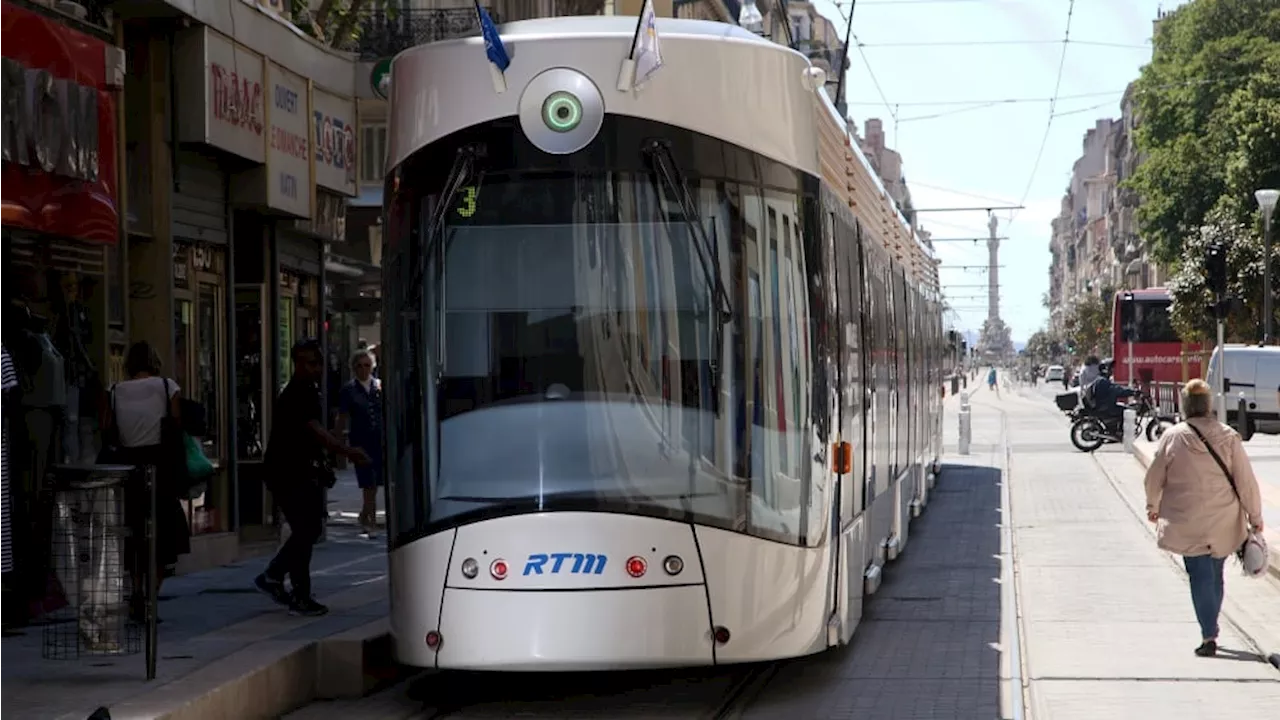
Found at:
[72, 336]
[10, 381]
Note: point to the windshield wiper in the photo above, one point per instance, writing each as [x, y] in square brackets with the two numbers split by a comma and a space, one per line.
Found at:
[464, 168]
[665, 169]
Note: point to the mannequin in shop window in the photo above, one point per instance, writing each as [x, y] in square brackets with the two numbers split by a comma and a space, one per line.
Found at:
[73, 336]
[11, 393]
[36, 434]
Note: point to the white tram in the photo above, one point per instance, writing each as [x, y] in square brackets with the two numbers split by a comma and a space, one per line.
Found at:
[662, 366]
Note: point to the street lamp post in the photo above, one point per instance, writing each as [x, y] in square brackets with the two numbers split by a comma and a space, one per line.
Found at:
[1266, 201]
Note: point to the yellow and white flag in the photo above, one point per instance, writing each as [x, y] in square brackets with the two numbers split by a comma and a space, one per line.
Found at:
[645, 57]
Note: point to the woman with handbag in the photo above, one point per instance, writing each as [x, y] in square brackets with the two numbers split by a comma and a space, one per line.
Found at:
[143, 428]
[1202, 493]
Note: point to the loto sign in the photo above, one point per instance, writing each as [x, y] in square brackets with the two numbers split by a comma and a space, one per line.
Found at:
[221, 96]
[334, 130]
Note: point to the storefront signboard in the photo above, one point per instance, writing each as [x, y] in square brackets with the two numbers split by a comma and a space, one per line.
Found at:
[288, 165]
[333, 119]
[59, 122]
[220, 96]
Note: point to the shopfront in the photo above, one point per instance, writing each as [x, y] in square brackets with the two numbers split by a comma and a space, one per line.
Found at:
[290, 147]
[63, 320]
[200, 349]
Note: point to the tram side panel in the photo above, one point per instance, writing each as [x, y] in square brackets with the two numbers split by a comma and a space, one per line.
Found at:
[770, 586]
[850, 573]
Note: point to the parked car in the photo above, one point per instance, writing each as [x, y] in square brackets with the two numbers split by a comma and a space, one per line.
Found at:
[1254, 372]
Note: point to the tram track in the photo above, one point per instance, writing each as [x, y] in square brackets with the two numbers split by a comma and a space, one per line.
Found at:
[711, 693]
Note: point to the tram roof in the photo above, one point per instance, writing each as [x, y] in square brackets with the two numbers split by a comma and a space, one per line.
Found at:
[721, 81]
[603, 26]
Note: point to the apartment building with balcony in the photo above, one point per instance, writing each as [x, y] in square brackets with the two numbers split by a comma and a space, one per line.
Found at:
[1094, 242]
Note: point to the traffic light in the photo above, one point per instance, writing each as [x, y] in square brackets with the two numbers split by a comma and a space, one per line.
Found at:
[1215, 269]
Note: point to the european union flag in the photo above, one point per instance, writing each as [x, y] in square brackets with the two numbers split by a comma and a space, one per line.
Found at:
[493, 47]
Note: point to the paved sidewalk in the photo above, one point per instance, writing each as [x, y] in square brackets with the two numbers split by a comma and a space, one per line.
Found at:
[208, 617]
[1106, 617]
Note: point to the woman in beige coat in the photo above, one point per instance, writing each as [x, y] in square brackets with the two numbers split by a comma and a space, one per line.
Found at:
[1200, 517]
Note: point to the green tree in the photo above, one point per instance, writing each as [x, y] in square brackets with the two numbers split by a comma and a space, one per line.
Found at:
[1088, 325]
[1043, 346]
[1209, 112]
[1190, 292]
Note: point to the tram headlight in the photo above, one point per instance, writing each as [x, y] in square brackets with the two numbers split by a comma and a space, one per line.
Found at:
[561, 111]
[470, 568]
[673, 564]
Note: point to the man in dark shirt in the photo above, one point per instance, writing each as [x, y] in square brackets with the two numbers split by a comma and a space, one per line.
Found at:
[295, 476]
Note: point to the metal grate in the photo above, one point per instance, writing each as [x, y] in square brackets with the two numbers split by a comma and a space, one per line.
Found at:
[89, 532]
[55, 254]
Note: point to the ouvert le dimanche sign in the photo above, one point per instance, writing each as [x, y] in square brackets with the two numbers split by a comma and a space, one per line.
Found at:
[288, 158]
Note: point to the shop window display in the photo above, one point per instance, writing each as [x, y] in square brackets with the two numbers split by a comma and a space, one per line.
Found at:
[199, 347]
[53, 327]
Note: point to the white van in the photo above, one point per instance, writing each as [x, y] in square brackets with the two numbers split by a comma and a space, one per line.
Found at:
[1253, 370]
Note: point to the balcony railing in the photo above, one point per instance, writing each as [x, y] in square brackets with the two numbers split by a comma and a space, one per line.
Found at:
[91, 16]
[379, 34]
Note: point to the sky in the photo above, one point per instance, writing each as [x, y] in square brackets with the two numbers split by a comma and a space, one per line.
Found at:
[959, 151]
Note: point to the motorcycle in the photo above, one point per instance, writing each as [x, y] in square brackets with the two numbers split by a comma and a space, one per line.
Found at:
[1089, 431]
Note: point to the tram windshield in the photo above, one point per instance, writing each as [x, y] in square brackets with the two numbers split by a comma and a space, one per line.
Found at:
[571, 359]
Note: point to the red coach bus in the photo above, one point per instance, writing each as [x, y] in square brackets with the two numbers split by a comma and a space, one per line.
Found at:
[1142, 316]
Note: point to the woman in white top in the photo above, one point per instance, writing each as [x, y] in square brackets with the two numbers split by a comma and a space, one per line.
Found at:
[136, 413]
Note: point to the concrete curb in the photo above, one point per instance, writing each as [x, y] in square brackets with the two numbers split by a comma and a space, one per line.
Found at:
[271, 678]
[1143, 455]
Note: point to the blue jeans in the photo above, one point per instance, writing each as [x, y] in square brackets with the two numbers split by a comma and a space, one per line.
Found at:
[1207, 588]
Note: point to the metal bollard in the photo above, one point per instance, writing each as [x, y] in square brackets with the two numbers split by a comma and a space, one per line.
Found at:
[1242, 417]
[966, 428]
[1130, 421]
[964, 401]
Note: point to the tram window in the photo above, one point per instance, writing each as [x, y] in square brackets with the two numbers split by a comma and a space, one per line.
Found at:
[565, 355]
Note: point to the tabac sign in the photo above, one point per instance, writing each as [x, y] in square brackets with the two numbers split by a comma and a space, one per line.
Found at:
[59, 128]
[222, 98]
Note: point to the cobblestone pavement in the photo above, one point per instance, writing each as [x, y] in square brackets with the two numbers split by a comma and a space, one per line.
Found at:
[206, 616]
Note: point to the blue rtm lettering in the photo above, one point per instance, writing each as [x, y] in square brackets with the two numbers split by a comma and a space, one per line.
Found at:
[288, 186]
[583, 563]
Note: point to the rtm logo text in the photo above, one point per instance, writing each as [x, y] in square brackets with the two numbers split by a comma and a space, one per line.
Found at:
[583, 563]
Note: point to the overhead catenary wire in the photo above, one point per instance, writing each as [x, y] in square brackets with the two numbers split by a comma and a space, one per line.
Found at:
[988, 43]
[1078, 96]
[1053, 105]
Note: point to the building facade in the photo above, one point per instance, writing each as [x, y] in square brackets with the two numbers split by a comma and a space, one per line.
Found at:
[241, 131]
[65, 302]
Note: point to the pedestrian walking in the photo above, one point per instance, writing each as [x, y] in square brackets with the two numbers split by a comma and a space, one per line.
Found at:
[360, 420]
[1202, 493]
[991, 381]
[298, 473]
[134, 422]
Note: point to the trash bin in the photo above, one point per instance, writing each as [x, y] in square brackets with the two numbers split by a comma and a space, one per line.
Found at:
[89, 531]
[955, 384]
